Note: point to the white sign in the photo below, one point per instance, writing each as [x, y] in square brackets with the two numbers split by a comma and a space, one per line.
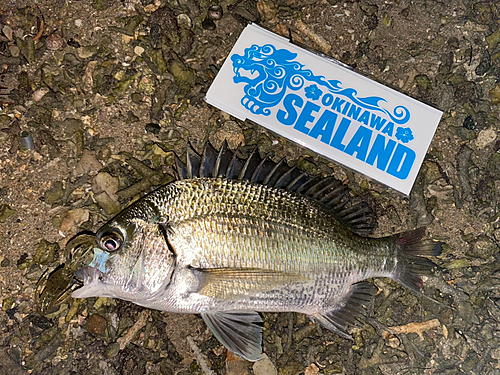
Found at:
[326, 107]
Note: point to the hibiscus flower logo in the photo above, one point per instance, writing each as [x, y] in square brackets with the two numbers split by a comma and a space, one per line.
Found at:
[313, 92]
[405, 135]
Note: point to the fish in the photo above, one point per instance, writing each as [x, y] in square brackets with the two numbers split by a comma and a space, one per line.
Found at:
[233, 237]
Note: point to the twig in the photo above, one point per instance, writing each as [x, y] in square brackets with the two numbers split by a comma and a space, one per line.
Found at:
[199, 357]
[141, 322]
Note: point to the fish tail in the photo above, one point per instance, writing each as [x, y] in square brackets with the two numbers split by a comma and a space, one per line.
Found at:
[411, 266]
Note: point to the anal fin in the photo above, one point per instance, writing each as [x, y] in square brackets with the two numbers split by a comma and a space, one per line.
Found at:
[354, 307]
[239, 331]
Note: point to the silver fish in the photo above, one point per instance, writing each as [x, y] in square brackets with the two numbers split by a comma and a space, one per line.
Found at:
[234, 237]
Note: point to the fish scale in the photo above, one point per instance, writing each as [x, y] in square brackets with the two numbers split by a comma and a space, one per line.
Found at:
[226, 243]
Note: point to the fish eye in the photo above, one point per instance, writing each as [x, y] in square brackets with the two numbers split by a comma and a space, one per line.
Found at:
[111, 241]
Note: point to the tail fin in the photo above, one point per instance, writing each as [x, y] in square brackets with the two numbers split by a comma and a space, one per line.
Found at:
[411, 265]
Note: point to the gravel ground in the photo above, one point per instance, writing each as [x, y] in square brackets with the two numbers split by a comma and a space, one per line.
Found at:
[108, 90]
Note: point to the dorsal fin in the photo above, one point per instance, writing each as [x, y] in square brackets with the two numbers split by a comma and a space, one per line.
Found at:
[329, 191]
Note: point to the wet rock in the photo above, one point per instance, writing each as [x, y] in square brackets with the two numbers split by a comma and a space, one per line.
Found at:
[110, 206]
[493, 165]
[87, 163]
[424, 84]
[107, 183]
[131, 24]
[185, 77]
[246, 10]
[418, 208]
[232, 133]
[215, 12]
[5, 212]
[74, 218]
[100, 4]
[54, 42]
[54, 194]
[482, 13]
[96, 325]
[484, 65]
[163, 22]
[264, 367]
[485, 137]
[45, 252]
[495, 94]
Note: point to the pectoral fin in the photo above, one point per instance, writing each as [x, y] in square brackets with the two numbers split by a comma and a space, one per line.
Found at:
[238, 283]
[239, 331]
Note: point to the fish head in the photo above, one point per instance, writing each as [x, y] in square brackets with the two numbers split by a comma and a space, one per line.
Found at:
[132, 261]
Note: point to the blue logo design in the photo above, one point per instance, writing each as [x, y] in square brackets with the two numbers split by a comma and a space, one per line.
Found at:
[405, 135]
[313, 92]
[269, 72]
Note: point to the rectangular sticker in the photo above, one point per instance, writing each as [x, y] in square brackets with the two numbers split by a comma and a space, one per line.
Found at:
[325, 107]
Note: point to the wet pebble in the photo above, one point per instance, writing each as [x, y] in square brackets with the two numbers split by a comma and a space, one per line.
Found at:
[45, 252]
[74, 218]
[26, 141]
[215, 12]
[264, 366]
[5, 212]
[96, 325]
[107, 183]
[110, 206]
[87, 163]
[485, 137]
[54, 42]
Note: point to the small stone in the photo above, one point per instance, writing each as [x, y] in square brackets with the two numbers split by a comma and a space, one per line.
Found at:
[111, 207]
[8, 303]
[112, 350]
[14, 50]
[78, 22]
[45, 252]
[55, 193]
[87, 51]
[54, 42]
[312, 369]
[215, 12]
[5, 212]
[39, 94]
[264, 366]
[485, 137]
[5, 262]
[87, 163]
[183, 20]
[107, 183]
[7, 31]
[96, 325]
[153, 128]
[495, 94]
[74, 218]
[136, 97]
[138, 50]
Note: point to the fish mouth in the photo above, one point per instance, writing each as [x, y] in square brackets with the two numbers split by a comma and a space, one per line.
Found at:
[93, 286]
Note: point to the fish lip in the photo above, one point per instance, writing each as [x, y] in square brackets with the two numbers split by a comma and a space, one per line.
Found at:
[92, 282]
